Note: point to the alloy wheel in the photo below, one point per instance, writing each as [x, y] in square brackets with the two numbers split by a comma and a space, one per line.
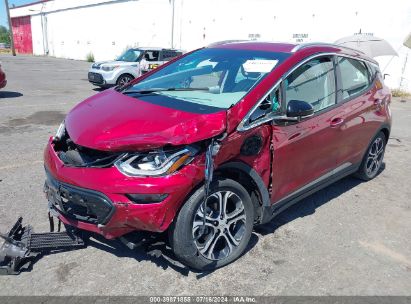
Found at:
[374, 158]
[225, 225]
[123, 80]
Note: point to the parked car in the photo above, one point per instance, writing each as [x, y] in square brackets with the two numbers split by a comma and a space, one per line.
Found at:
[4, 45]
[131, 64]
[216, 142]
[3, 80]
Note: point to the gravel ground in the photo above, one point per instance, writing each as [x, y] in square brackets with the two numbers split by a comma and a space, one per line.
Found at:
[351, 238]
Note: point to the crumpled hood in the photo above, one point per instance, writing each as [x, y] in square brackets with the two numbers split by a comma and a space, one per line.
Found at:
[111, 121]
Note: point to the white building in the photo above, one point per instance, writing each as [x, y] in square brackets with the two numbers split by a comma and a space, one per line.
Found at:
[75, 28]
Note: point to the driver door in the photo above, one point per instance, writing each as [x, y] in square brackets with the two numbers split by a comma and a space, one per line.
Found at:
[305, 152]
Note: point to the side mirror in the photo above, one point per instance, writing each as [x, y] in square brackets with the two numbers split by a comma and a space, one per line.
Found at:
[299, 109]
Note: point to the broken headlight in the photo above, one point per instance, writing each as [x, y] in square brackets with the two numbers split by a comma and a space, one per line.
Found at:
[60, 131]
[155, 163]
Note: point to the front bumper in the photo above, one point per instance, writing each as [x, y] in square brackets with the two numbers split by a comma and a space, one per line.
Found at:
[77, 203]
[102, 78]
[112, 185]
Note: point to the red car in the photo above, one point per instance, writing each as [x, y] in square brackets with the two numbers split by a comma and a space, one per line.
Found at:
[217, 141]
[3, 80]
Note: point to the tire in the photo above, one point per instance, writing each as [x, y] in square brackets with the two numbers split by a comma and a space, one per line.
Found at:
[372, 161]
[123, 79]
[215, 248]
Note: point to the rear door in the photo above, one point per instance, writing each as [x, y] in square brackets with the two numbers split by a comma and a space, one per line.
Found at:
[359, 97]
[305, 153]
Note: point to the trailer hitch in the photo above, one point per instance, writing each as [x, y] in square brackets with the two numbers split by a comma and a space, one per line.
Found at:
[22, 247]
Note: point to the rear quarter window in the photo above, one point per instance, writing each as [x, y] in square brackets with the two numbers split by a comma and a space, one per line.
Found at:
[168, 55]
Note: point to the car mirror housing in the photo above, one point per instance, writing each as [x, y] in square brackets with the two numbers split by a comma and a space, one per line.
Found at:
[299, 109]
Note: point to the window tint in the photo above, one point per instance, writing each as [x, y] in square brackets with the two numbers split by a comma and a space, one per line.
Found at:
[168, 55]
[354, 76]
[313, 82]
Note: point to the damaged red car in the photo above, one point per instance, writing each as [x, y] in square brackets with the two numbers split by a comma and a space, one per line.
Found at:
[3, 80]
[217, 141]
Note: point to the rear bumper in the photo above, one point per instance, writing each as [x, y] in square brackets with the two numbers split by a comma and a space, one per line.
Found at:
[126, 216]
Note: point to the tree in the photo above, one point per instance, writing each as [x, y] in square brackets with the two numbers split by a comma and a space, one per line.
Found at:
[4, 34]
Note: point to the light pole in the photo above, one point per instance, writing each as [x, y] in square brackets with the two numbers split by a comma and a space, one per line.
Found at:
[172, 23]
[13, 50]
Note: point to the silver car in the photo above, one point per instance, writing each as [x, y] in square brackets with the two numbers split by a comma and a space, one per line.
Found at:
[131, 64]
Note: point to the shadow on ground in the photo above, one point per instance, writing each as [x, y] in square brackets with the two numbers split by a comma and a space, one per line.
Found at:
[10, 94]
[309, 205]
[155, 248]
[99, 89]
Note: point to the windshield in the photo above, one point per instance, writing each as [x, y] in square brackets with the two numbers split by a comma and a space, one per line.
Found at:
[209, 77]
[130, 56]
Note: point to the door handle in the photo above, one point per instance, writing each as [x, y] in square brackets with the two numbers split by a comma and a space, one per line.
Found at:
[336, 122]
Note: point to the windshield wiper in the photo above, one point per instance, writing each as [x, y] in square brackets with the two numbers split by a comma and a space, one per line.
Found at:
[153, 90]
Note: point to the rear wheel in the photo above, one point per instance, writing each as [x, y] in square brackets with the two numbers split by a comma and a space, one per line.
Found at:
[373, 158]
[123, 79]
[227, 231]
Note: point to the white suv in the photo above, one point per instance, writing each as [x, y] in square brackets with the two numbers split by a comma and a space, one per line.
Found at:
[131, 64]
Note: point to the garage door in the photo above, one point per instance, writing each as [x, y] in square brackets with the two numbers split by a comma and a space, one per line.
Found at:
[22, 34]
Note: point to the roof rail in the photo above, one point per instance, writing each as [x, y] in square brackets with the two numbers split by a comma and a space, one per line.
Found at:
[308, 44]
[225, 42]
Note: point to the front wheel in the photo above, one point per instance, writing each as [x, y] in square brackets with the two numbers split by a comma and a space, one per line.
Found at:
[229, 217]
[372, 162]
[123, 79]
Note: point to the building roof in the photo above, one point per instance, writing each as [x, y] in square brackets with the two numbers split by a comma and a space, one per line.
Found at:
[28, 4]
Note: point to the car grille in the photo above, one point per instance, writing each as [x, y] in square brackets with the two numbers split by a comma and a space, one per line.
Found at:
[74, 155]
[95, 78]
[78, 203]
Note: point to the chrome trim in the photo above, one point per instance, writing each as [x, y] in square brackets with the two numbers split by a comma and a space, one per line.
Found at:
[243, 126]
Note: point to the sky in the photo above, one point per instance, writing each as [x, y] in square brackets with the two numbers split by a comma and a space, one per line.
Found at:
[3, 15]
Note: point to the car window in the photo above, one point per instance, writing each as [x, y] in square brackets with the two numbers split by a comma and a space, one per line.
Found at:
[152, 55]
[207, 77]
[168, 55]
[271, 104]
[354, 76]
[130, 55]
[313, 82]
